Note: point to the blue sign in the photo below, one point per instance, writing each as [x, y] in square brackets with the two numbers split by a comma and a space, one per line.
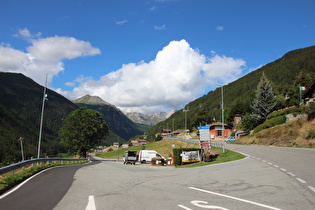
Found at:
[204, 127]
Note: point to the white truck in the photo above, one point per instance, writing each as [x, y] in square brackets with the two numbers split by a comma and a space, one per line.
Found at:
[147, 155]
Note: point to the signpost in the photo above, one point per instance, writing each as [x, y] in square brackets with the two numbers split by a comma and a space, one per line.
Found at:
[204, 137]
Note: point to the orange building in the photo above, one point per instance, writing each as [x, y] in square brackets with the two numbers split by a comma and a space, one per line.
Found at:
[216, 131]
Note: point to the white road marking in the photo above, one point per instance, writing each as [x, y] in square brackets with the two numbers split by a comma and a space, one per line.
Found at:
[291, 174]
[269, 163]
[301, 180]
[235, 198]
[206, 206]
[184, 207]
[276, 166]
[283, 169]
[91, 204]
[312, 188]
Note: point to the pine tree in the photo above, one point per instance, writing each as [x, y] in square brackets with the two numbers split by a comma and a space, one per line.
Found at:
[265, 100]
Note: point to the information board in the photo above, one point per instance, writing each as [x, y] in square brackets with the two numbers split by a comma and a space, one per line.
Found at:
[204, 137]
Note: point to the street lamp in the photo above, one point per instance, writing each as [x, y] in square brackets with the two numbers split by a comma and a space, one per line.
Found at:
[41, 119]
[21, 141]
[186, 110]
[222, 116]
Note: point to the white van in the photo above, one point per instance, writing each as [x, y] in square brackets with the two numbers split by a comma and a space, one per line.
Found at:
[146, 155]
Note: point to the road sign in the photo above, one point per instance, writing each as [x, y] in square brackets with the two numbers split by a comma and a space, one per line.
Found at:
[204, 132]
[205, 144]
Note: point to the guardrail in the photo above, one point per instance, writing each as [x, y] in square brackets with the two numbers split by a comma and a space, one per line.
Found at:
[12, 167]
[213, 143]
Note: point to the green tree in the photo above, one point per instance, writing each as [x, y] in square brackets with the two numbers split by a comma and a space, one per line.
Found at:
[82, 129]
[265, 100]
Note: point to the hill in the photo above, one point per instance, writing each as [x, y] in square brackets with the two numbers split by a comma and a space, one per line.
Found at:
[117, 122]
[238, 95]
[20, 111]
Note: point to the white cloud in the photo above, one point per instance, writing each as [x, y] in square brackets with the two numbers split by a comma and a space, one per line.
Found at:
[121, 22]
[158, 28]
[26, 34]
[220, 28]
[57, 48]
[178, 74]
[44, 56]
[70, 84]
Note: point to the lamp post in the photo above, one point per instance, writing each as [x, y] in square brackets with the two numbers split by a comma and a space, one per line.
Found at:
[185, 110]
[41, 119]
[222, 116]
[21, 140]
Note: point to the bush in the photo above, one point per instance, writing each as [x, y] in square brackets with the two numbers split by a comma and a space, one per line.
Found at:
[310, 110]
[270, 123]
[295, 110]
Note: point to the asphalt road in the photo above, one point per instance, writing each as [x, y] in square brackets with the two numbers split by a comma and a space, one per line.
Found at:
[251, 183]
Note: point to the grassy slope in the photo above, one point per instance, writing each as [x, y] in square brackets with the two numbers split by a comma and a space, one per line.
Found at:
[289, 134]
[166, 148]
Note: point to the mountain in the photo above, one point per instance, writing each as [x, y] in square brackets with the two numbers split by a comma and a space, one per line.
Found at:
[20, 113]
[117, 122]
[296, 68]
[149, 119]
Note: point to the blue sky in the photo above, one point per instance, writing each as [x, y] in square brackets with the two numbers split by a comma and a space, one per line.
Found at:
[148, 55]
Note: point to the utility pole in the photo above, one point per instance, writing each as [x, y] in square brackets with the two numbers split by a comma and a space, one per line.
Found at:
[21, 140]
[222, 118]
[41, 119]
[185, 110]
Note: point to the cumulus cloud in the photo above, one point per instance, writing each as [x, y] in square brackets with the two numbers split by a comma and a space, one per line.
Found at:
[44, 56]
[178, 74]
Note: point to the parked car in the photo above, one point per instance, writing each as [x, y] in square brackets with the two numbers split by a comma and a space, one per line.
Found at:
[232, 138]
[147, 155]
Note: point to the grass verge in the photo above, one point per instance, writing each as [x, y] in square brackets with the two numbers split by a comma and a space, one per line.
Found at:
[164, 147]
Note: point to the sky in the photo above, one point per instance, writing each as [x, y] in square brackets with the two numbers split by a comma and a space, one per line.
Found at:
[148, 55]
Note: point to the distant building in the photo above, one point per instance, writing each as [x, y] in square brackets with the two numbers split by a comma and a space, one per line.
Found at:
[137, 142]
[237, 120]
[166, 132]
[216, 131]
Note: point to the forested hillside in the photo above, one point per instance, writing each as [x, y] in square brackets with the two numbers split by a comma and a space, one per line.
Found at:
[20, 110]
[294, 69]
[116, 121]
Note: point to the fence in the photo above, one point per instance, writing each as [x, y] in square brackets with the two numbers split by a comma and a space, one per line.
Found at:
[213, 143]
[15, 166]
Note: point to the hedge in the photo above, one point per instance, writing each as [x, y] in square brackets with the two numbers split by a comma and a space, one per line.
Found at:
[270, 123]
[284, 112]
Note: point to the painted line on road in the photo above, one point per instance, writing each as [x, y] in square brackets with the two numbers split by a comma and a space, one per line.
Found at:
[235, 198]
[283, 169]
[301, 180]
[276, 166]
[184, 207]
[291, 174]
[91, 203]
[20, 185]
[312, 188]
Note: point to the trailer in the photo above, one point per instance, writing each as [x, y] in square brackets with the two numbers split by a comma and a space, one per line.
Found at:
[130, 157]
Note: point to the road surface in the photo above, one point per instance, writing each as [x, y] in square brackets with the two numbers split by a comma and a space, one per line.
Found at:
[250, 183]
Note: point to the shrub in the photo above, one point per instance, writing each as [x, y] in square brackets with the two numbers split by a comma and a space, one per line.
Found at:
[310, 134]
[310, 110]
[270, 123]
